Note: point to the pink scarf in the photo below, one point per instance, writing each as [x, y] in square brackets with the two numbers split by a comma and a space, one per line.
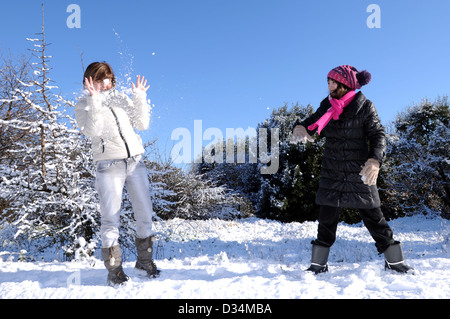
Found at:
[336, 109]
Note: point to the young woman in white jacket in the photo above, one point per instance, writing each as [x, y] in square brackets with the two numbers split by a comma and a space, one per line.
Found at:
[109, 118]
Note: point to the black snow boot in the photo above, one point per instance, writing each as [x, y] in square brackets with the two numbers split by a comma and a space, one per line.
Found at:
[112, 257]
[394, 259]
[144, 247]
[319, 259]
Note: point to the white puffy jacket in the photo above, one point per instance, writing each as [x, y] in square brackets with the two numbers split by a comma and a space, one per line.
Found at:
[109, 118]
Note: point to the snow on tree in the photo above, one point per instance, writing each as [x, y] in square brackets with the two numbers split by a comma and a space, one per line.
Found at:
[288, 195]
[46, 185]
[238, 175]
[197, 197]
[417, 171]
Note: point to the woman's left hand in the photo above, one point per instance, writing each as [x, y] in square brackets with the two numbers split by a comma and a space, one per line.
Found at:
[140, 84]
[369, 173]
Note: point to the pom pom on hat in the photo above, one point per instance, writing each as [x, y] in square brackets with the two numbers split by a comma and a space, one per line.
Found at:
[363, 77]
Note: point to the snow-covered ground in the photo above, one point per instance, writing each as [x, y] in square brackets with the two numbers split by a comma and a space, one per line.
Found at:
[252, 258]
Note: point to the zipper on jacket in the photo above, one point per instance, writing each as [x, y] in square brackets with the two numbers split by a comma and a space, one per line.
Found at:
[103, 145]
[120, 132]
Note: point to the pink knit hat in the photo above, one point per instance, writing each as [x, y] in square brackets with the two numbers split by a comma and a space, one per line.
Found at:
[350, 76]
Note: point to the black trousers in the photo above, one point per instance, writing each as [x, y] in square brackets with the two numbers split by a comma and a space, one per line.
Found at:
[373, 219]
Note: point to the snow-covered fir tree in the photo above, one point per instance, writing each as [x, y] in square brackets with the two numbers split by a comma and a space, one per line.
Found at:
[46, 184]
[234, 172]
[417, 170]
[288, 195]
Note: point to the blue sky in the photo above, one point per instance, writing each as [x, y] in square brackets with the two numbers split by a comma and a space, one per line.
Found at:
[229, 63]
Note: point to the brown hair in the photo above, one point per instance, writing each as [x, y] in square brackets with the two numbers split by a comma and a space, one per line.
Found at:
[100, 71]
[340, 91]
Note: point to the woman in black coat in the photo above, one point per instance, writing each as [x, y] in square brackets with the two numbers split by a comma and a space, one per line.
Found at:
[354, 151]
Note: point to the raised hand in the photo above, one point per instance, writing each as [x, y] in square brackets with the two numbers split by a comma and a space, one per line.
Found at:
[140, 84]
[93, 87]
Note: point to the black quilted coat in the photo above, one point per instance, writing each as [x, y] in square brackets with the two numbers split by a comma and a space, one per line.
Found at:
[352, 139]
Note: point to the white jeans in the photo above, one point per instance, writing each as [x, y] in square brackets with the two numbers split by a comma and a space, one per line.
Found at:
[112, 175]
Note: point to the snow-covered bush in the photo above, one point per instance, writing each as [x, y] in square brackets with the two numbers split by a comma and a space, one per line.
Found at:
[417, 170]
[200, 198]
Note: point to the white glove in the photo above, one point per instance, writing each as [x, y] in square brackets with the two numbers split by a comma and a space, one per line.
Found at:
[300, 135]
[369, 173]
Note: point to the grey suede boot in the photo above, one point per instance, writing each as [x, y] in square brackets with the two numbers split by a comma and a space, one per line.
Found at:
[144, 247]
[319, 259]
[112, 257]
[394, 259]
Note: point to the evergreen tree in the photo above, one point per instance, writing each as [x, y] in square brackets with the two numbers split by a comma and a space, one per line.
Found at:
[46, 185]
[289, 194]
[240, 177]
[417, 173]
